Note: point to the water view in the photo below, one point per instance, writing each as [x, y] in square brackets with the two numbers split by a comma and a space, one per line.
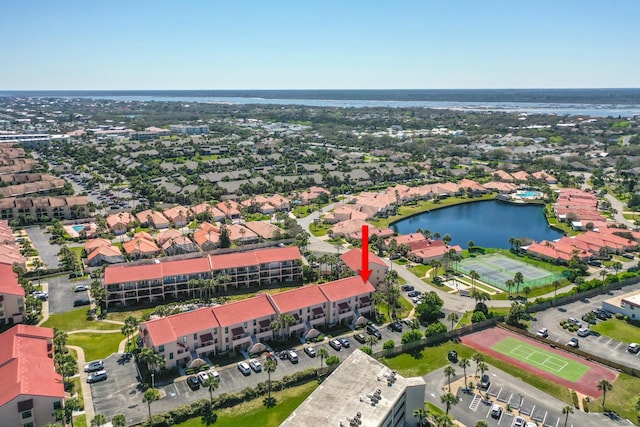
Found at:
[489, 224]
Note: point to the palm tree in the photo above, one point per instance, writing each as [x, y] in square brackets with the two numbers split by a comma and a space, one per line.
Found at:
[605, 386]
[436, 264]
[464, 363]
[151, 395]
[119, 420]
[371, 341]
[527, 291]
[470, 244]
[322, 354]
[71, 405]
[449, 371]
[509, 284]
[98, 421]
[129, 327]
[449, 400]
[270, 367]
[603, 274]
[511, 240]
[556, 285]
[566, 411]
[151, 358]
[212, 383]
[518, 279]
[478, 358]
[453, 318]
[617, 266]
[443, 420]
[474, 276]
[483, 367]
[421, 414]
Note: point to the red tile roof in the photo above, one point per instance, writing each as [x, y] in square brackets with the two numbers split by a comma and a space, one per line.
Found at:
[353, 259]
[171, 328]
[9, 283]
[296, 299]
[346, 288]
[25, 365]
[244, 311]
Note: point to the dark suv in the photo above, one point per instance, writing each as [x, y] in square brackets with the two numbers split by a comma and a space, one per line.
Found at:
[395, 326]
[372, 330]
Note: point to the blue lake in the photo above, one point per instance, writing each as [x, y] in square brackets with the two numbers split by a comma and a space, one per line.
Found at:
[489, 224]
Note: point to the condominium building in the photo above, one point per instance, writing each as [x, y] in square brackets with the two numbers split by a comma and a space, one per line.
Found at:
[241, 325]
[361, 392]
[11, 296]
[156, 281]
[190, 129]
[31, 389]
[27, 209]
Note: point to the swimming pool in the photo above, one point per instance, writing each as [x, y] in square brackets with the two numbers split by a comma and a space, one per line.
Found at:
[529, 194]
[78, 228]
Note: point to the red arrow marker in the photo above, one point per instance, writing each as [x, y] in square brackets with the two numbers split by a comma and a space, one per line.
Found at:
[364, 271]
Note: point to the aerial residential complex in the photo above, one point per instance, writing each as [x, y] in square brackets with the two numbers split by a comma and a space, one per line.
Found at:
[156, 281]
[11, 296]
[240, 325]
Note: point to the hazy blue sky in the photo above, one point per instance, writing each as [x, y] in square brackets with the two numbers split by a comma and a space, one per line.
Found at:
[304, 44]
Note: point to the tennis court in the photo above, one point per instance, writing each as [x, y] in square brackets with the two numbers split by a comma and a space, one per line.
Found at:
[496, 269]
[540, 358]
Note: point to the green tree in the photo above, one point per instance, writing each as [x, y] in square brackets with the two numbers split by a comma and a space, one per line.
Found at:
[212, 383]
[371, 341]
[70, 405]
[429, 309]
[604, 386]
[464, 363]
[449, 371]
[98, 420]
[322, 354]
[449, 400]
[333, 360]
[129, 327]
[388, 344]
[482, 423]
[119, 420]
[421, 414]
[270, 367]
[151, 395]
[477, 358]
[453, 318]
[566, 411]
[518, 279]
[516, 314]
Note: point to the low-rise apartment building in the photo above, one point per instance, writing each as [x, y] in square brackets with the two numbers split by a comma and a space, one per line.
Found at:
[11, 296]
[241, 325]
[129, 284]
[28, 209]
[31, 389]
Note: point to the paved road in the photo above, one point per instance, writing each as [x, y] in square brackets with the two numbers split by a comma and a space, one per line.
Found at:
[47, 251]
[620, 208]
[62, 295]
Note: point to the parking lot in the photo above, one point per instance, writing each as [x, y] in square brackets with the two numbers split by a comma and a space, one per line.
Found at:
[120, 393]
[62, 295]
[523, 400]
[598, 345]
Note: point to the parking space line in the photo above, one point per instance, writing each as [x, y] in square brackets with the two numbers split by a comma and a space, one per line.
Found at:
[619, 345]
[610, 339]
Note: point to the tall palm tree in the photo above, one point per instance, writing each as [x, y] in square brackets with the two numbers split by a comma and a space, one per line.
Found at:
[270, 367]
[518, 278]
[449, 400]
[151, 395]
[322, 354]
[474, 276]
[509, 284]
[421, 414]
[464, 363]
[566, 411]
[453, 318]
[371, 341]
[478, 358]
[605, 386]
[211, 383]
[483, 367]
[449, 371]
[556, 285]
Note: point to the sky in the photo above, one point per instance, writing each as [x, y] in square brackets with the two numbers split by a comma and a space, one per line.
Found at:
[303, 44]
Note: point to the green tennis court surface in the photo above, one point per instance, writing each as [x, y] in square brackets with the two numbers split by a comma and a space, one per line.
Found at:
[539, 358]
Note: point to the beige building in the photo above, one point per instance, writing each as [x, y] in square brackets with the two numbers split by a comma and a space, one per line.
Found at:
[11, 296]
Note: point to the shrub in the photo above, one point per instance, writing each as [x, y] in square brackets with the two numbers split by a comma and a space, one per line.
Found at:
[366, 349]
[204, 367]
[411, 336]
[478, 316]
[574, 398]
[332, 360]
[189, 371]
[435, 329]
[619, 316]
[388, 344]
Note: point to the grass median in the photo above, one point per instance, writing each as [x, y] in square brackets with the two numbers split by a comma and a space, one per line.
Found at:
[76, 320]
[96, 346]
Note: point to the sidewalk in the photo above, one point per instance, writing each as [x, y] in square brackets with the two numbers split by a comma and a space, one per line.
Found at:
[86, 390]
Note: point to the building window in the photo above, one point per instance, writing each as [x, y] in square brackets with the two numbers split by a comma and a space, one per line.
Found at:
[27, 414]
[161, 349]
[171, 356]
[27, 425]
[57, 404]
[195, 336]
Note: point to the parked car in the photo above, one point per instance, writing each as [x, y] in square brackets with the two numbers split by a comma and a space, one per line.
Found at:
[94, 377]
[518, 422]
[372, 330]
[292, 356]
[413, 294]
[634, 348]
[272, 357]
[485, 382]
[335, 344]
[407, 288]
[575, 322]
[80, 288]
[202, 377]
[583, 332]
[627, 255]
[213, 373]
[395, 326]
[75, 276]
[311, 352]
[496, 411]
[244, 368]
[344, 342]
[193, 382]
[81, 301]
[360, 338]
[573, 342]
[97, 365]
[255, 365]
[542, 332]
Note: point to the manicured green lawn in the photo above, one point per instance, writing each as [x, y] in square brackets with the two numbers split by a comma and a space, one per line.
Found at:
[80, 421]
[618, 330]
[621, 398]
[426, 360]
[538, 358]
[78, 388]
[96, 346]
[420, 270]
[253, 413]
[75, 320]
[121, 315]
[319, 229]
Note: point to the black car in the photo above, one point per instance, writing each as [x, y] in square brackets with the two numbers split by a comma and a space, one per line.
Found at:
[484, 382]
[395, 326]
[81, 302]
[372, 330]
[414, 294]
[193, 382]
[407, 288]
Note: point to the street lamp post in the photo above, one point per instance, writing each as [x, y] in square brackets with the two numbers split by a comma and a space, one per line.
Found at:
[153, 382]
[520, 404]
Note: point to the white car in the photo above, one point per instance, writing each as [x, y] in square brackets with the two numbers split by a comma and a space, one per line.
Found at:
[255, 365]
[244, 368]
[213, 373]
[518, 422]
[583, 332]
[543, 333]
[202, 377]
